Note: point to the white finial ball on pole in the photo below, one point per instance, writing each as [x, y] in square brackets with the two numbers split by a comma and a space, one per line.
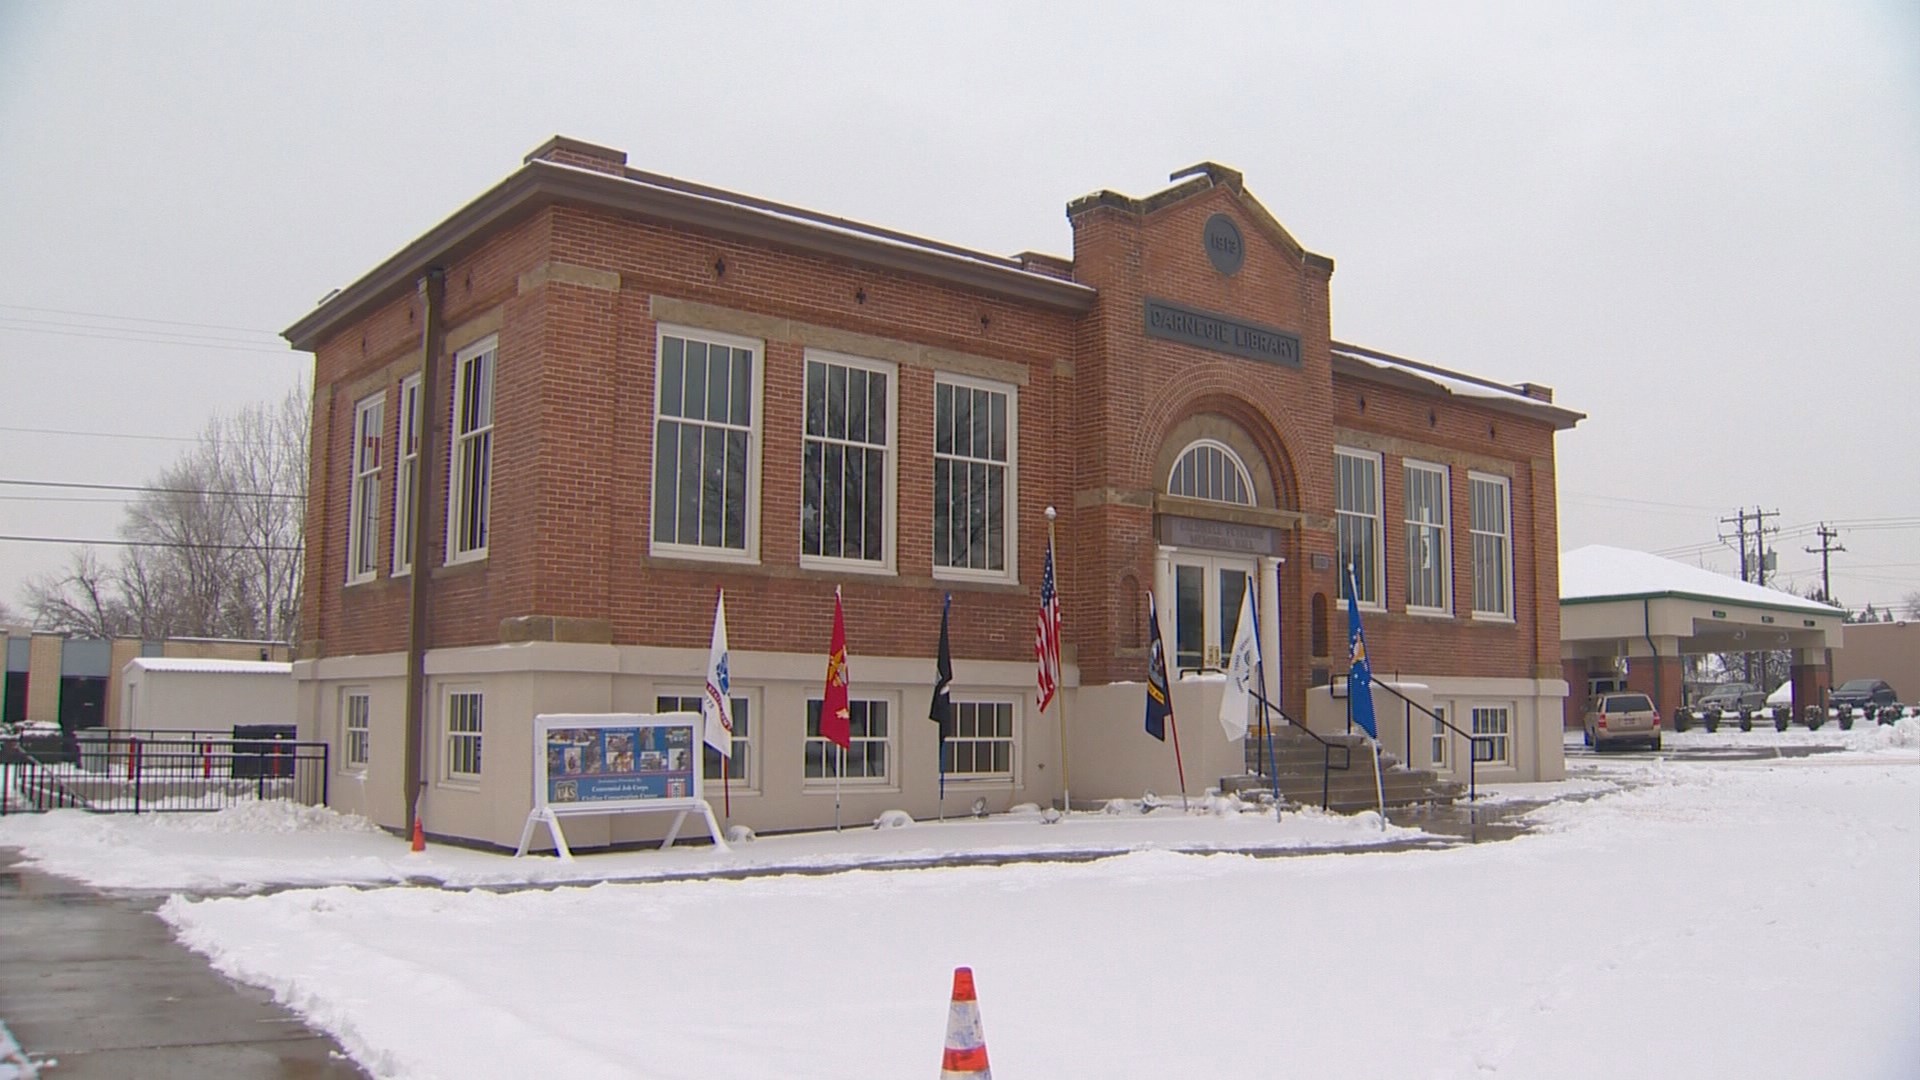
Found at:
[1051, 513]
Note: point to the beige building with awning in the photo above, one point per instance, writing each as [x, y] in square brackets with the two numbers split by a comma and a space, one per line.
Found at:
[1617, 604]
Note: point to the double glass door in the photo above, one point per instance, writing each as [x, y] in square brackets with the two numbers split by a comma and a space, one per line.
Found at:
[1206, 607]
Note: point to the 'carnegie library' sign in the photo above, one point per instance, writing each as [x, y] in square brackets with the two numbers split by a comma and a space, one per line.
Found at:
[1205, 330]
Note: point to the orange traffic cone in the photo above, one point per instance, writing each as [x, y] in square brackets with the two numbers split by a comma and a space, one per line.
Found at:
[966, 1054]
[419, 835]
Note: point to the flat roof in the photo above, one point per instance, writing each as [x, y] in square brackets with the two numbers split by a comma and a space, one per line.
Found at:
[208, 665]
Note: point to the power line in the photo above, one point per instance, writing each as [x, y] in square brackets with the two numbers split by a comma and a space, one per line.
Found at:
[151, 544]
[135, 318]
[99, 434]
[152, 490]
[156, 341]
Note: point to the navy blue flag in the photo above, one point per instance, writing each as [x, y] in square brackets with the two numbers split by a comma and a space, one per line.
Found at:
[1359, 671]
[1159, 703]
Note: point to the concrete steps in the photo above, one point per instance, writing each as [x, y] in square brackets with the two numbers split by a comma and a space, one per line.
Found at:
[1299, 764]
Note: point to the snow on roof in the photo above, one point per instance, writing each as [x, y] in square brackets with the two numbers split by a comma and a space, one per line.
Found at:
[210, 666]
[1597, 572]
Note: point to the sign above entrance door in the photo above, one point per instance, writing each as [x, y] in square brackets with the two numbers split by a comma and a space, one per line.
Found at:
[1205, 330]
[1225, 249]
[1186, 532]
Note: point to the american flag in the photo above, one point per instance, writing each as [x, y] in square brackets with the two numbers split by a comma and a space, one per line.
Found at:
[1046, 633]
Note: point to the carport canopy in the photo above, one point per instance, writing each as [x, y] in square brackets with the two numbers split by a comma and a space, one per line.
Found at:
[1615, 602]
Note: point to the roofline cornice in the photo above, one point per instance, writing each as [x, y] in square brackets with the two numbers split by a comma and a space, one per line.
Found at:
[543, 183]
[1518, 405]
[1703, 598]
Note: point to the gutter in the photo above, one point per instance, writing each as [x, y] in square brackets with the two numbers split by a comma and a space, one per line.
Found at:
[433, 288]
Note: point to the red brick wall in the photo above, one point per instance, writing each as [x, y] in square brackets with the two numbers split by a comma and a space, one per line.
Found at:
[572, 459]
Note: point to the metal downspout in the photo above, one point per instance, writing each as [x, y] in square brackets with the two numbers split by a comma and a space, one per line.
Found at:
[432, 335]
[1646, 630]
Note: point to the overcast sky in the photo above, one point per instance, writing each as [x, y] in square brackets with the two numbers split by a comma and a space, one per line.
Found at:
[1699, 223]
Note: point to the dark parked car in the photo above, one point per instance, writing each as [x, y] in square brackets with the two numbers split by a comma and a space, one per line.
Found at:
[1867, 696]
[1731, 697]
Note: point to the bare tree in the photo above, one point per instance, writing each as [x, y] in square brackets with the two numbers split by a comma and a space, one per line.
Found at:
[1910, 604]
[215, 541]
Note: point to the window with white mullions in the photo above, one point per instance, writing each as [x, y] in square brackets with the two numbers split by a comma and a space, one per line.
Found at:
[739, 763]
[356, 711]
[1492, 544]
[363, 512]
[1427, 539]
[846, 478]
[1212, 471]
[406, 474]
[972, 454]
[464, 712]
[1357, 520]
[472, 452]
[867, 754]
[1439, 736]
[703, 444]
[1493, 721]
[981, 743]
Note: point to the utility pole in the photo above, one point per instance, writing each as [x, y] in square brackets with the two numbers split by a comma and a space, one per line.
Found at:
[1760, 531]
[1825, 551]
[1742, 541]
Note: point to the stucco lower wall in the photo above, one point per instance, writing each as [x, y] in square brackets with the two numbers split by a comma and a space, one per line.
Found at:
[1535, 748]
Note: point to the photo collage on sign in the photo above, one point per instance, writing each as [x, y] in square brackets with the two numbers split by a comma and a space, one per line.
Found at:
[590, 764]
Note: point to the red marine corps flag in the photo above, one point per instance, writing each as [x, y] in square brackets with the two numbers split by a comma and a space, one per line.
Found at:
[835, 724]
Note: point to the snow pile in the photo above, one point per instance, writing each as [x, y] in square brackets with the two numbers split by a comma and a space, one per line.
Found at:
[14, 1063]
[270, 816]
[1902, 734]
[893, 819]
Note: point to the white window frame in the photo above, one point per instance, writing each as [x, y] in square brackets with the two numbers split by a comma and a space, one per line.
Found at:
[450, 737]
[1501, 750]
[1504, 579]
[749, 553]
[1442, 737]
[1444, 541]
[746, 747]
[889, 512]
[356, 703]
[363, 502]
[406, 472]
[485, 356]
[1238, 474]
[888, 781]
[1010, 517]
[1375, 597]
[1011, 739]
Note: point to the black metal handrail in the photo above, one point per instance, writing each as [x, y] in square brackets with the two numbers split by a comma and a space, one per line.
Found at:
[1473, 740]
[1327, 747]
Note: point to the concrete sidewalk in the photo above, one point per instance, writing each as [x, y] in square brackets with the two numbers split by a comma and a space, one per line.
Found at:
[93, 985]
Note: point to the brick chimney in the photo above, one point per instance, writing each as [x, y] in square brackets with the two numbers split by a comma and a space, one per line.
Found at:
[562, 150]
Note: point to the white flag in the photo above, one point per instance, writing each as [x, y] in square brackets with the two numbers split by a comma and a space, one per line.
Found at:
[716, 705]
[1242, 668]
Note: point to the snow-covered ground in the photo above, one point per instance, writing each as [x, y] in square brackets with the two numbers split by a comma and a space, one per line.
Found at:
[1667, 917]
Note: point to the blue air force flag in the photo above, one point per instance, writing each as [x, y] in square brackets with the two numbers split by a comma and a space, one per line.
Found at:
[1359, 671]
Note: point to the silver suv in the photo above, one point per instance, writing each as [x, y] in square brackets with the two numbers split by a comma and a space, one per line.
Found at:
[1621, 717]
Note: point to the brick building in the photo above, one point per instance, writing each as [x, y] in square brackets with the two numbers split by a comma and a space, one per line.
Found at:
[606, 393]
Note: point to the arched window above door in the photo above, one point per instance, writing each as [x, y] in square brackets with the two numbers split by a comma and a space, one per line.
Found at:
[1211, 470]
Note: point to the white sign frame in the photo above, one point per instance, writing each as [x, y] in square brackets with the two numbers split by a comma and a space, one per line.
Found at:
[602, 739]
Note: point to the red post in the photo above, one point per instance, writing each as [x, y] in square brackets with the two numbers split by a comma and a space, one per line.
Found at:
[133, 759]
[206, 761]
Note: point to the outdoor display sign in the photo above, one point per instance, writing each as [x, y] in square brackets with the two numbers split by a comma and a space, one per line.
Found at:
[609, 763]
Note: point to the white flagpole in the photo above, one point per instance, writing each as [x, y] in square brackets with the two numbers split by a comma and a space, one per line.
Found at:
[836, 786]
[1060, 679]
[1379, 790]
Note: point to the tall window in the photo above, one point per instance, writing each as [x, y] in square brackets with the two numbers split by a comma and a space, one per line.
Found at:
[981, 746]
[704, 444]
[1492, 720]
[356, 709]
[1492, 541]
[846, 482]
[405, 475]
[1210, 470]
[739, 764]
[867, 756]
[472, 452]
[363, 507]
[973, 439]
[1356, 500]
[1427, 540]
[464, 713]
[1440, 736]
